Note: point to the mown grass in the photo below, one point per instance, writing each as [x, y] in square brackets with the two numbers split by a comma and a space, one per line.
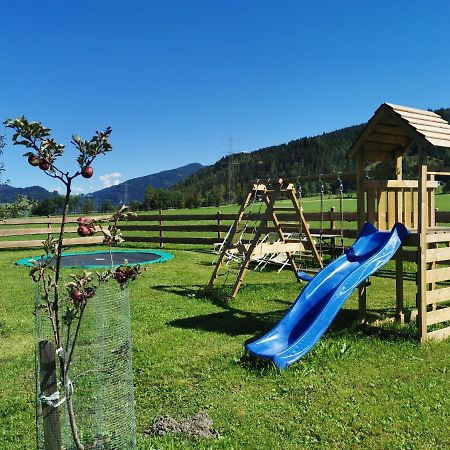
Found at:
[359, 388]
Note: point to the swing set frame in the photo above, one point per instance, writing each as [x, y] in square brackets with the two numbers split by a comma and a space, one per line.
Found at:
[271, 190]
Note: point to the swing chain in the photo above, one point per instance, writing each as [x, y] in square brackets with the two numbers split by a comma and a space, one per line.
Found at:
[341, 208]
[322, 190]
[300, 228]
[255, 199]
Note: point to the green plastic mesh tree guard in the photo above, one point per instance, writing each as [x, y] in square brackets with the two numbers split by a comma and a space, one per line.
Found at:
[101, 377]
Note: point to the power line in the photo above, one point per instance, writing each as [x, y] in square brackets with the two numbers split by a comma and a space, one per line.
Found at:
[231, 195]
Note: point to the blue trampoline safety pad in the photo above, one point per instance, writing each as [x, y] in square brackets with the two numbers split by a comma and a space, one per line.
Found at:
[102, 259]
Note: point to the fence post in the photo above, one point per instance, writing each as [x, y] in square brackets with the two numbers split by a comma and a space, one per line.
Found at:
[161, 244]
[218, 226]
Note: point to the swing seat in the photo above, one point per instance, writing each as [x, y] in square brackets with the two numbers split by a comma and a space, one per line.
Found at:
[304, 276]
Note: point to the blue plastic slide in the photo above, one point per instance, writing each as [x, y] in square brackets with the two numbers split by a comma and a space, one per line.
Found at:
[320, 300]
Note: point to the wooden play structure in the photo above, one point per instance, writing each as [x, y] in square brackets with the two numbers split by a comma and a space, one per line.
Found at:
[392, 131]
[267, 191]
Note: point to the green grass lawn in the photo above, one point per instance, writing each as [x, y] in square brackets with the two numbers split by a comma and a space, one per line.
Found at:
[358, 388]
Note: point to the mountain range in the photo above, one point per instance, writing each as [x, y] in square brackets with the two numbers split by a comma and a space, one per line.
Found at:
[8, 194]
[134, 189]
[131, 190]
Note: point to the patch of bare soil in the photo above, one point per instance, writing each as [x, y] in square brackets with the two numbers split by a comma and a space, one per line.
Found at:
[199, 425]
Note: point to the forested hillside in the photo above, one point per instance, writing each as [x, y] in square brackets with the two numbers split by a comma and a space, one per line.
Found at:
[306, 156]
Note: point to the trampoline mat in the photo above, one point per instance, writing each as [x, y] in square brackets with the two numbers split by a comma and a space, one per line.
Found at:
[103, 259]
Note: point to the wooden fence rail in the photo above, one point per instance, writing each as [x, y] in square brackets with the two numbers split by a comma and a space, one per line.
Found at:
[172, 228]
[34, 235]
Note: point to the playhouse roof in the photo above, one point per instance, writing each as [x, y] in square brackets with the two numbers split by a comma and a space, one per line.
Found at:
[393, 128]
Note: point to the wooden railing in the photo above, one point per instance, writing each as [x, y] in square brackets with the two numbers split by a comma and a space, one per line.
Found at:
[391, 201]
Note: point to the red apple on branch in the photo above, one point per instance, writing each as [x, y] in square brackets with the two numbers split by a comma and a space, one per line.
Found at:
[33, 160]
[44, 164]
[83, 231]
[87, 172]
[78, 295]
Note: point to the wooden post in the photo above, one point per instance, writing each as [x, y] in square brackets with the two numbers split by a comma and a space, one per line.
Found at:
[432, 204]
[421, 254]
[392, 208]
[360, 190]
[381, 209]
[399, 287]
[371, 213]
[433, 284]
[161, 243]
[218, 226]
[360, 196]
[399, 176]
[48, 386]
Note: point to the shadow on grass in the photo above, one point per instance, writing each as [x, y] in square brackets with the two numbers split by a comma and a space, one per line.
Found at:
[390, 273]
[219, 295]
[347, 322]
[206, 263]
[231, 321]
[387, 334]
[262, 365]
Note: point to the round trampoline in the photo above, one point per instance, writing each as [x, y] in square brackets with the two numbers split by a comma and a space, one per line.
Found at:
[102, 260]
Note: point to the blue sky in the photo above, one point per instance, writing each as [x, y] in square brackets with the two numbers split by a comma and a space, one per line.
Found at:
[175, 79]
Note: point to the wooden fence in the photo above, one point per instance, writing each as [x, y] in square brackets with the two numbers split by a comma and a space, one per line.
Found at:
[207, 229]
[172, 228]
[31, 231]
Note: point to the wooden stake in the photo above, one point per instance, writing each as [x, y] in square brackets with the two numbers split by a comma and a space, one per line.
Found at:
[48, 386]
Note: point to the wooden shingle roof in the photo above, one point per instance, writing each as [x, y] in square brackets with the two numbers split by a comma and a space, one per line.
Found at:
[394, 128]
